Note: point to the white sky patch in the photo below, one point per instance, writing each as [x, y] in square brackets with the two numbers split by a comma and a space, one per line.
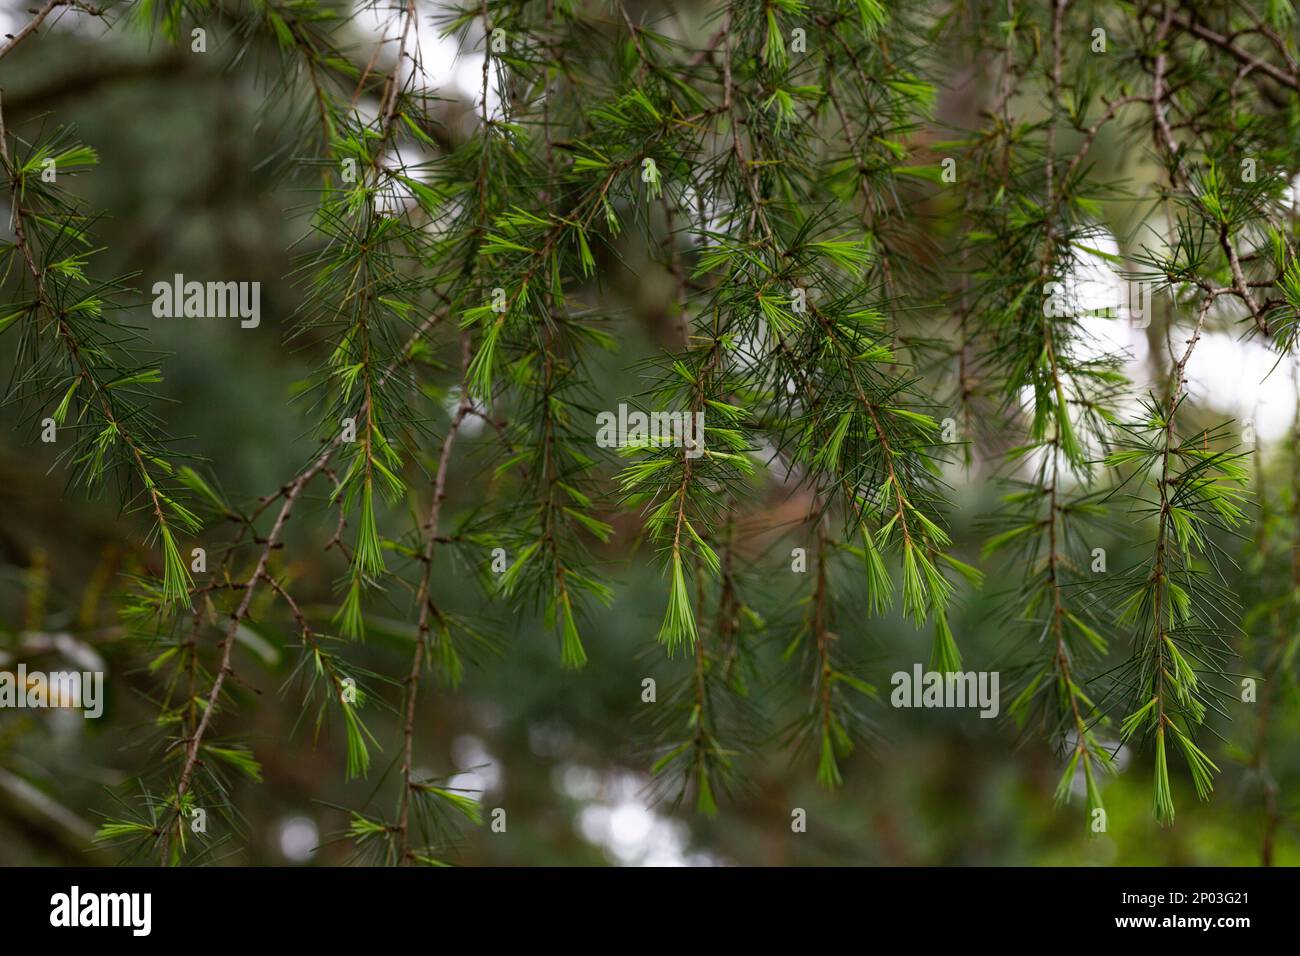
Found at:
[1095, 286]
[617, 819]
[472, 424]
[444, 67]
[1242, 380]
[576, 781]
[706, 217]
[483, 772]
[634, 835]
[298, 838]
[396, 197]
[16, 14]
[1291, 195]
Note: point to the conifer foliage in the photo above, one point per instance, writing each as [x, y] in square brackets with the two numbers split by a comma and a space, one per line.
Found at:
[874, 300]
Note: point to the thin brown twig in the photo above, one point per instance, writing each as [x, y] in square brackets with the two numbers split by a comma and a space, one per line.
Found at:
[33, 24]
[423, 600]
